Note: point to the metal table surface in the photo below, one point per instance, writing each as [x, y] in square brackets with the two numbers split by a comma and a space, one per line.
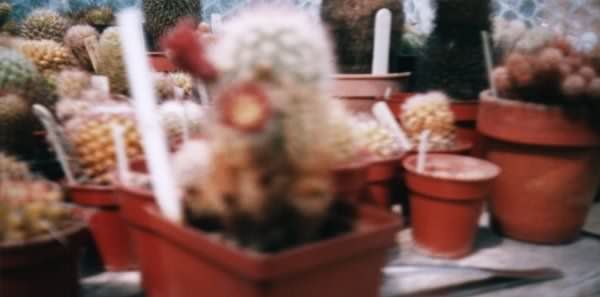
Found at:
[579, 261]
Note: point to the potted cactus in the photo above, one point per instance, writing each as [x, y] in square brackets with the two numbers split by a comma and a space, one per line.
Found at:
[542, 128]
[40, 236]
[348, 21]
[258, 194]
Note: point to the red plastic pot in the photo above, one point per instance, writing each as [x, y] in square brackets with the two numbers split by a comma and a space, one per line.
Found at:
[381, 177]
[351, 180]
[160, 62]
[368, 86]
[445, 210]
[43, 267]
[190, 262]
[107, 226]
[551, 170]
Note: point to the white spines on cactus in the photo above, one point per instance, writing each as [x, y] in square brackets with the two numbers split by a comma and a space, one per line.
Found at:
[276, 45]
[173, 114]
[431, 112]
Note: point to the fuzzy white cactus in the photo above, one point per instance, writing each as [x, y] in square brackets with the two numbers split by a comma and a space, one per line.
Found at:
[175, 114]
[431, 112]
[278, 45]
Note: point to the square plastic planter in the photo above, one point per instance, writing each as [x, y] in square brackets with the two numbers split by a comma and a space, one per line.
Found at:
[191, 263]
[107, 226]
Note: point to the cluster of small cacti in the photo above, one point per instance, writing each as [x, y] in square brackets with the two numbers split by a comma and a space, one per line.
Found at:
[282, 48]
[430, 112]
[452, 60]
[92, 141]
[162, 15]
[354, 20]
[47, 55]
[13, 169]
[31, 209]
[44, 24]
[554, 75]
[514, 35]
[264, 175]
[75, 39]
[110, 61]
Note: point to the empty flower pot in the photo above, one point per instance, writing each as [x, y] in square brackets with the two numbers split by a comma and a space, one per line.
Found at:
[43, 267]
[550, 169]
[191, 261]
[446, 202]
[160, 62]
[107, 226]
[381, 177]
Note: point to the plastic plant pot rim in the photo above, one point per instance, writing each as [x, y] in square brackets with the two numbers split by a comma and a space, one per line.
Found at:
[460, 146]
[84, 190]
[491, 169]
[529, 123]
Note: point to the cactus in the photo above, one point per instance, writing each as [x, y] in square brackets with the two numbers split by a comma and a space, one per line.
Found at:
[91, 138]
[283, 48]
[47, 55]
[12, 169]
[16, 124]
[431, 112]
[44, 24]
[184, 82]
[110, 61]
[5, 11]
[165, 86]
[553, 75]
[453, 60]
[174, 113]
[264, 176]
[31, 209]
[75, 40]
[162, 15]
[353, 20]
[71, 83]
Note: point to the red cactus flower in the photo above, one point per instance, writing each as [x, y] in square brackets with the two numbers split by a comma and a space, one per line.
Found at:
[186, 49]
[246, 108]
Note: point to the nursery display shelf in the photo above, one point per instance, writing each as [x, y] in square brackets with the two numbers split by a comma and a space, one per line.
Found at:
[579, 262]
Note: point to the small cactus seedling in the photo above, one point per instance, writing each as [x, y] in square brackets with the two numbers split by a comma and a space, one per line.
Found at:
[429, 112]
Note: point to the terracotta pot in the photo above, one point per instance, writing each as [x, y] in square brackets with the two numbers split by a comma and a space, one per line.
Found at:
[107, 226]
[445, 210]
[368, 86]
[381, 177]
[43, 267]
[189, 261]
[160, 62]
[551, 170]
[351, 180]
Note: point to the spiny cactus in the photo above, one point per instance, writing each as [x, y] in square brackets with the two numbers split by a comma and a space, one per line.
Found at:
[47, 55]
[429, 112]
[110, 61]
[184, 82]
[453, 60]
[165, 86]
[91, 138]
[161, 15]
[13, 169]
[277, 46]
[264, 177]
[5, 11]
[30, 209]
[71, 83]
[554, 75]
[102, 16]
[16, 125]
[173, 115]
[352, 22]
[17, 73]
[44, 24]
[75, 40]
